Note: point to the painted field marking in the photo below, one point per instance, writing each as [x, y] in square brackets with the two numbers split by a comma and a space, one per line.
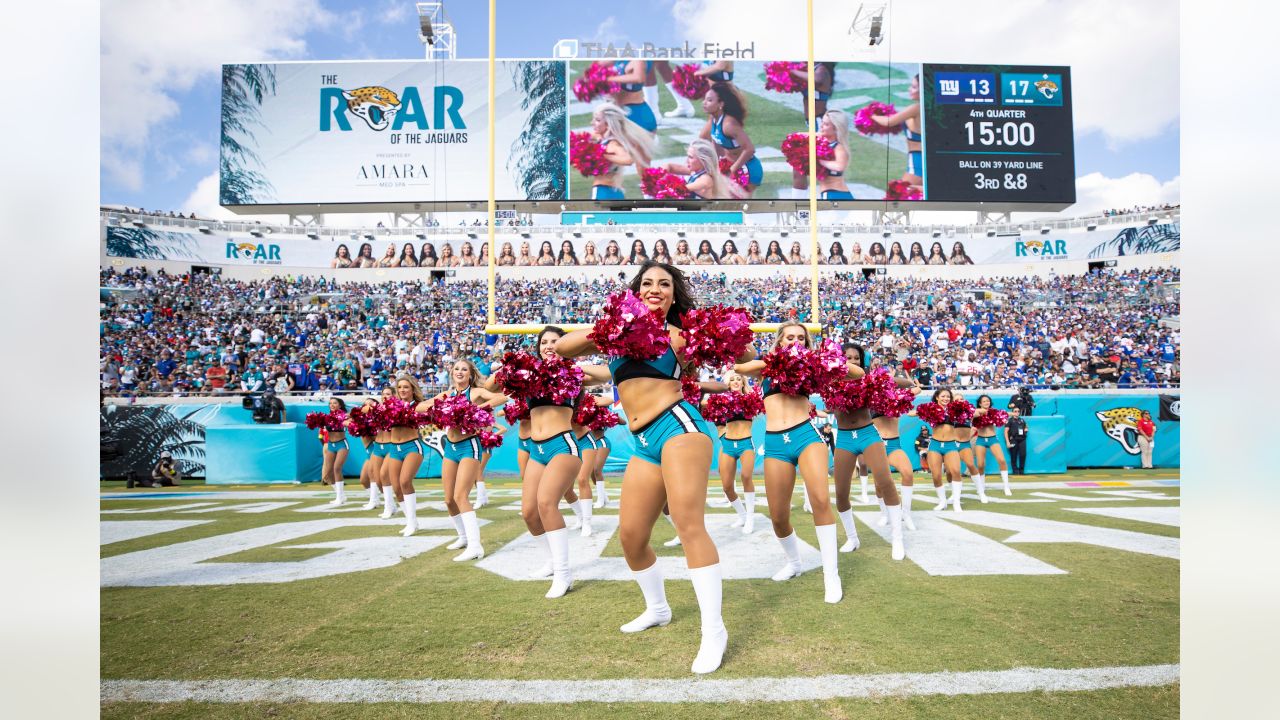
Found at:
[942, 549]
[1139, 495]
[114, 531]
[1113, 483]
[1078, 498]
[1082, 484]
[242, 508]
[350, 506]
[639, 690]
[1037, 530]
[1171, 516]
[166, 508]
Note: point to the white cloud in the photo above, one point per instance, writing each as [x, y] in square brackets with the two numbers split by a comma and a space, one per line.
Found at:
[609, 31]
[1123, 55]
[203, 201]
[394, 11]
[153, 50]
[1095, 192]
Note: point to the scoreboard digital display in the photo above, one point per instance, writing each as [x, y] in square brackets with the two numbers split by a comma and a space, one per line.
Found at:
[998, 134]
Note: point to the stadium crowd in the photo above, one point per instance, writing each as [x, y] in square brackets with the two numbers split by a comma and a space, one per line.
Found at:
[165, 334]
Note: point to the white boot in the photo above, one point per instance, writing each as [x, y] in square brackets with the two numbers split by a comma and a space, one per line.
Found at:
[651, 99]
[375, 496]
[740, 510]
[708, 586]
[461, 527]
[830, 568]
[339, 493]
[1004, 478]
[410, 515]
[546, 570]
[884, 514]
[981, 482]
[749, 511]
[576, 507]
[808, 506]
[907, 492]
[942, 497]
[602, 497]
[657, 612]
[474, 550]
[675, 541]
[790, 546]
[586, 517]
[684, 108]
[956, 487]
[561, 580]
[895, 532]
[865, 500]
[850, 531]
[482, 495]
[388, 502]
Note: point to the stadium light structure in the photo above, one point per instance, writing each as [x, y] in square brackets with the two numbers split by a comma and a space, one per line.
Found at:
[205, 229]
[868, 23]
[139, 224]
[991, 233]
[436, 32]
[1153, 220]
[422, 236]
[1045, 229]
[937, 233]
[1091, 227]
[256, 233]
[313, 235]
[835, 234]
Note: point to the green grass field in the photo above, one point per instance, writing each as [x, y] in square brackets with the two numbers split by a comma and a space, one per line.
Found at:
[427, 617]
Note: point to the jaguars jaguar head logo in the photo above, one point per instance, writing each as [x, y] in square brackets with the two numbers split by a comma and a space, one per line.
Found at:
[1033, 246]
[374, 104]
[246, 250]
[1121, 424]
[1047, 87]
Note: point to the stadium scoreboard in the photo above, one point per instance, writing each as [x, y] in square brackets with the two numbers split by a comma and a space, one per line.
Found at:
[998, 134]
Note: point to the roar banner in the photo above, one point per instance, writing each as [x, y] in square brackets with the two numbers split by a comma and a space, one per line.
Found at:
[359, 133]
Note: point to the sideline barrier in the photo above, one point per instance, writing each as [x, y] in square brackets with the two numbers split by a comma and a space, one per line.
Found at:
[220, 443]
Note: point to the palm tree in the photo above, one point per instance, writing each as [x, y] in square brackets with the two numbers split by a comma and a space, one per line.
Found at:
[243, 87]
[138, 243]
[1141, 241]
[540, 152]
[142, 433]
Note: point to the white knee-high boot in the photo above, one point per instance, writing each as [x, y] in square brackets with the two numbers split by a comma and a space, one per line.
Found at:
[656, 610]
[899, 551]
[375, 496]
[602, 495]
[474, 550]
[830, 566]
[651, 98]
[683, 108]
[741, 511]
[339, 493]
[749, 510]
[673, 542]
[980, 481]
[708, 586]
[791, 547]
[585, 506]
[941, 490]
[863, 478]
[561, 581]
[850, 531]
[388, 502]
[907, 492]
[884, 515]
[1004, 478]
[549, 568]
[462, 533]
[956, 487]
[576, 507]
[410, 514]
[482, 495]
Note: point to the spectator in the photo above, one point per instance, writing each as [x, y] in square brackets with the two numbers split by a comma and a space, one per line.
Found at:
[1146, 439]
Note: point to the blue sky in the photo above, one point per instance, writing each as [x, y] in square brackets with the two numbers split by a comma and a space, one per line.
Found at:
[158, 156]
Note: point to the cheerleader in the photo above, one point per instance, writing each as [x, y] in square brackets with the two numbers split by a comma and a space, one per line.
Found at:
[600, 432]
[964, 439]
[335, 449]
[587, 442]
[944, 451]
[624, 143]
[671, 464]
[713, 70]
[792, 443]
[404, 454]
[910, 118]
[461, 467]
[858, 438]
[726, 127]
[831, 183]
[985, 437]
[370, 469]
[630, 97]
[378, 450]
[888, 427]
[482, 495]
[701, 169]
[824, 78]
[738, 451]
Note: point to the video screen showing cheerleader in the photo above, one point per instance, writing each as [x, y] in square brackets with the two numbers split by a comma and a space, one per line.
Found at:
[724, 130]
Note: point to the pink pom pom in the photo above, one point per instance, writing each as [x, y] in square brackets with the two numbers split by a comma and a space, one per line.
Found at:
[518, 376]
[960, 412]
[751, 403]
[663, 184]
[715, 336]
[457, 412]
[932, 413]
[720, 407]
[627, 328]
[895, 404]
[604, 419]
[398, 413]
[690, 389]
[795, 149]
[826, 365]
[363, 422]
[743, 178]
[902, 190]
[787, 368]
[490, 439]
[844, 396]
[561, 379]
[777, 76]
[865, 125]
[687, 83]
[316, 420]
[516, 410]
[595, 82]
[586, 155]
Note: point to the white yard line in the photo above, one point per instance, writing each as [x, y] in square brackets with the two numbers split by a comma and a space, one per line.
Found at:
[741, 690]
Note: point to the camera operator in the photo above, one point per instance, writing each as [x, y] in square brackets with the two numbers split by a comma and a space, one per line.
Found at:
[1023, 402]
[269, 409]
[165, 473]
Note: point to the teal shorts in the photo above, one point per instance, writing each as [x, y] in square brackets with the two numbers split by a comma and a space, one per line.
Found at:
[603, 442]
[400, 451]
[525, 444]
[563, 444]
[892, 444]
[987, 441]
[467, 449]
[857, 440]
[586, 442]
[679, 419]
[334, 447]
[787, 445]
[943, 448]
[379, 449]
[735, 448]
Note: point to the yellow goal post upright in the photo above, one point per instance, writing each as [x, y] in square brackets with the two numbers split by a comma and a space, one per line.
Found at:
[493, 327]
